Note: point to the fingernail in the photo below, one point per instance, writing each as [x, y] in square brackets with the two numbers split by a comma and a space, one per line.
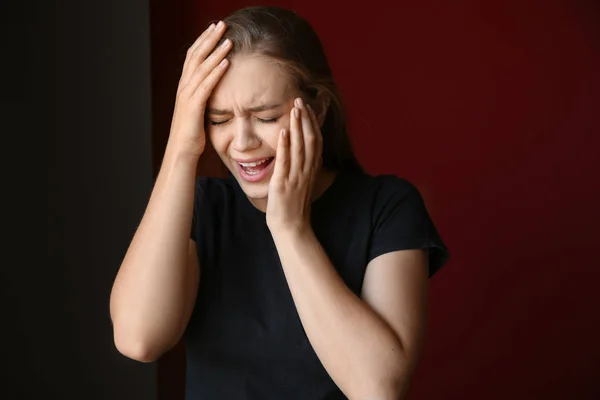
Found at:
[299, 102]
[296, 113]
[226, 43]
[220, 25]
[211, 27]
[223, 63]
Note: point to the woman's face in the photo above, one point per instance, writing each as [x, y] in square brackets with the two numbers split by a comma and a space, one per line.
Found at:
[244, 116]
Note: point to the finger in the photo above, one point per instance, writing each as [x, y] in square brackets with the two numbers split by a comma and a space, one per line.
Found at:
[196, 43]
[185, 73]
[281, 168]
[200, 50]
[203, 45]
[204, 34]
[209, 65]
[296, 145]
[318, 155]
[206, 86]
[309, 136]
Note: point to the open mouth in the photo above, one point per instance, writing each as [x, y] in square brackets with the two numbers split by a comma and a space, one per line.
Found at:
[256, 171]
[256, 167]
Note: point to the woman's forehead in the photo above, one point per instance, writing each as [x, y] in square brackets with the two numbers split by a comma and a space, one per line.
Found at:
[251, 82]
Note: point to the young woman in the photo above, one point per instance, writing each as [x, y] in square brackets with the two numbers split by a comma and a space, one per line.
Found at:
[304, 277]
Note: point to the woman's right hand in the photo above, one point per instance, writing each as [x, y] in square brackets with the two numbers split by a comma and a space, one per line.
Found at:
[201, 73]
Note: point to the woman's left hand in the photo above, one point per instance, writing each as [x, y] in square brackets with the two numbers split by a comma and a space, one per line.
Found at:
[297, 162]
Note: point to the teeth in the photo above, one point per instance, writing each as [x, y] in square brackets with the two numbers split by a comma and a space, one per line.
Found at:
[253, 164]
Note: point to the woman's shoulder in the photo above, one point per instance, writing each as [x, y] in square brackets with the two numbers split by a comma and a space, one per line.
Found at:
[391, 181]
[372, 193]
[384, 185]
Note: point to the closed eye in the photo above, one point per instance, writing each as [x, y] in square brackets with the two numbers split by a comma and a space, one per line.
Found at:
[269, 120]
[217, 122]
[262, 120]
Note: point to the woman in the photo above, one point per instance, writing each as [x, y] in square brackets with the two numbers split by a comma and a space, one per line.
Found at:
[305, 277]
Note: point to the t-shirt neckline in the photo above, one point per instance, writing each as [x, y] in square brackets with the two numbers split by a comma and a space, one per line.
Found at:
[322, 199]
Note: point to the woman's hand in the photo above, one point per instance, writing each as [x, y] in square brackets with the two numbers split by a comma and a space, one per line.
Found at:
[297, 162]
[201, 72]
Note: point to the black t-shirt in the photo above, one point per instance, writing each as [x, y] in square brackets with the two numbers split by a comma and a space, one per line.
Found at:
[245, 339]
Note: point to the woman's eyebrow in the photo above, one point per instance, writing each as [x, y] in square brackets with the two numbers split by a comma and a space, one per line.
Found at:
[262, 107]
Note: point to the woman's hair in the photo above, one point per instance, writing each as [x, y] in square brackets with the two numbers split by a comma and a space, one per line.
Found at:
[289, 40]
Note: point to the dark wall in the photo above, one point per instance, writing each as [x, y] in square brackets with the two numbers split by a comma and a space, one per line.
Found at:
[80, 110]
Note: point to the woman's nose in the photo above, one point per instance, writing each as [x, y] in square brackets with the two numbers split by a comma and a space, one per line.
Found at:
[244, 138]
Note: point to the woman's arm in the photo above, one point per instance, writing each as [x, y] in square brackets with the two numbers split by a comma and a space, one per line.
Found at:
[155, 289]
[368, 346]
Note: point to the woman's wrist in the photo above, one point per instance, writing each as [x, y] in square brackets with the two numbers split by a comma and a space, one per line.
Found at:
[178, 152]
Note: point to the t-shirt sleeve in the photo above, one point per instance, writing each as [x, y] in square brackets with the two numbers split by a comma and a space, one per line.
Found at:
[402, 222]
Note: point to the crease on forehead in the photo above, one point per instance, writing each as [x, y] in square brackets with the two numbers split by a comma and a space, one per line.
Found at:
[262, 92]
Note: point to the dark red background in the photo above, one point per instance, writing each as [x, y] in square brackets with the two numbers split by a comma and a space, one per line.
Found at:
[492, 110]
